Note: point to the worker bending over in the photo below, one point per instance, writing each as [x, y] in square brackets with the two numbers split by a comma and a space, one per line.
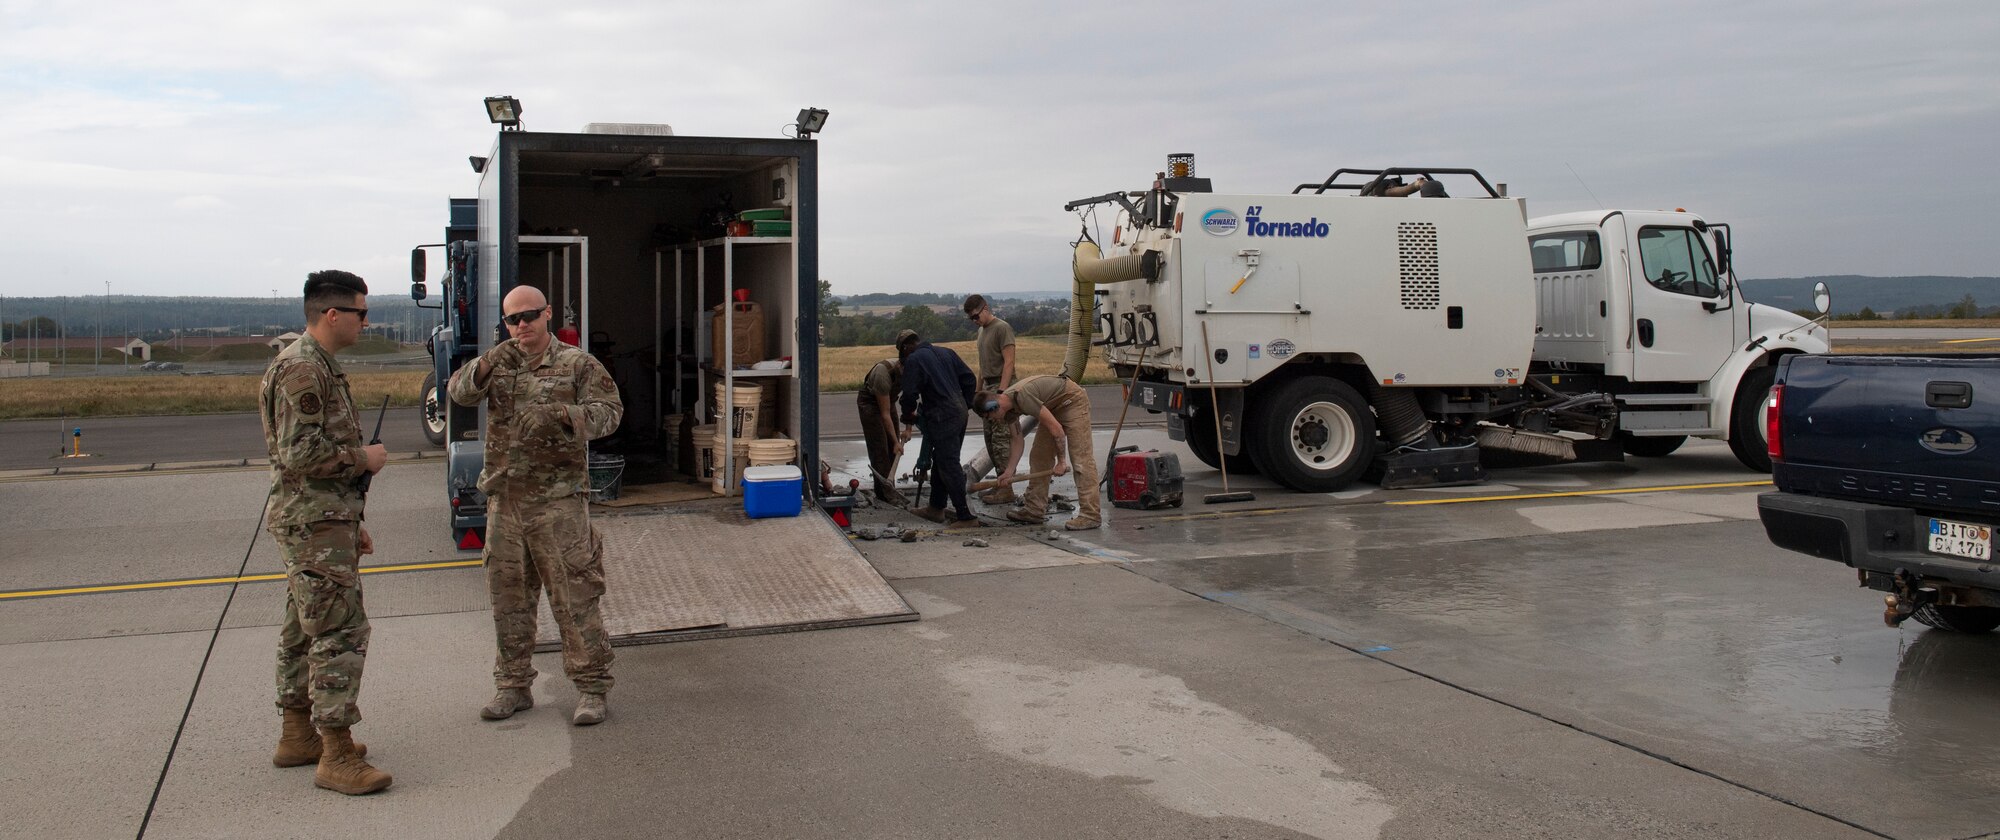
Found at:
[1063, 438]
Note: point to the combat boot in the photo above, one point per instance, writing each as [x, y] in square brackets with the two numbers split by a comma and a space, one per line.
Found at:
[999, 496]
[590, 710]
[299, 744]
[506, 702]
[341, 769]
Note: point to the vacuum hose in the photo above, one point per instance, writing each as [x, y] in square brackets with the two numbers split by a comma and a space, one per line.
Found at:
[1397, 413]
[1090, 268]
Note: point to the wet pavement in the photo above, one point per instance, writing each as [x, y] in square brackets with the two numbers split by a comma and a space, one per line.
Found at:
[1576, 651]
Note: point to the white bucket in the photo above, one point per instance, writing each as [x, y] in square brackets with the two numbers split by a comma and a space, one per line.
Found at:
[769, 452]
[737, 465]
[745, 407]
[704, 452]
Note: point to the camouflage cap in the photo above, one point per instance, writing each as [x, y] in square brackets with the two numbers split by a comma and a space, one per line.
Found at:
[905, 335]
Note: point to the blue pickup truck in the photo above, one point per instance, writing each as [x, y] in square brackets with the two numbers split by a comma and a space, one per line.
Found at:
[1891, 465]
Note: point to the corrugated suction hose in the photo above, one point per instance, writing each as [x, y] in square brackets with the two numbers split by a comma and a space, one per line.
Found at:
[1089, 268]
[1397, 413]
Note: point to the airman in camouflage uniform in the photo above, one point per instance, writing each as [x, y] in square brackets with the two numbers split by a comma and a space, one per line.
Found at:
[545, 402]
[313, 436]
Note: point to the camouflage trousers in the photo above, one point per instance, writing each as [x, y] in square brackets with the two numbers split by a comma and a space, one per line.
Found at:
[550, 545]
[323, 640]
[1000, 437]
[1000, 433]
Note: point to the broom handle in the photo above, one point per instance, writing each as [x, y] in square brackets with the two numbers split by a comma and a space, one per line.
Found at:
[1215, 405]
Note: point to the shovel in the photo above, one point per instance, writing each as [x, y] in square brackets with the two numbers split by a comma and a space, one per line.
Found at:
[992, 483]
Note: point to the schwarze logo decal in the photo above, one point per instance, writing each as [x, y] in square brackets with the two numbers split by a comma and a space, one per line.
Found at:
[1219, 222]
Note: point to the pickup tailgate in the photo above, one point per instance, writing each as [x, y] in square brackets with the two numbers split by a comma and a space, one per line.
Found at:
[1915, 431]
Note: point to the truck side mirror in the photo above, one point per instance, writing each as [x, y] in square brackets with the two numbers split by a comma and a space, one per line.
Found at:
[417, 290]
[1822, 298]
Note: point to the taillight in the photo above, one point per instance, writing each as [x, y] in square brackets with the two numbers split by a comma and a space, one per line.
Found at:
[1774, 443]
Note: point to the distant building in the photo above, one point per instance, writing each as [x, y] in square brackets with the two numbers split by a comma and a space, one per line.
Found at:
[283, 341]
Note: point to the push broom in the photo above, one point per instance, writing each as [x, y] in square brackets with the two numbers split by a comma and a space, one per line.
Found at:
[1221, 458]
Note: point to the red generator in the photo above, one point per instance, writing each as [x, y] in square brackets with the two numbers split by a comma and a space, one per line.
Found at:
[1146, 480]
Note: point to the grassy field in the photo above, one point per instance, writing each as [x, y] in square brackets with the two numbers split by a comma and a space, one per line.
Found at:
[841, 369]
[110, 396]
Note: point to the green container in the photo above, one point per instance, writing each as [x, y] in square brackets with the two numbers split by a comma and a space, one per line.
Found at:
[767, 214]
[770, 228]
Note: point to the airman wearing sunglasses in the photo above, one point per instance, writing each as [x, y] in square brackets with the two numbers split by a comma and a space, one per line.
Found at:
[314, 439]
[545, 402]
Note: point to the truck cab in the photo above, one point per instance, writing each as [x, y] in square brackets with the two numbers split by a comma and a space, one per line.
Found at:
[1644, 305]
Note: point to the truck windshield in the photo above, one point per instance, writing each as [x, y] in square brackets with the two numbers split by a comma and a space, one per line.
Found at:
[1676, 261]
[1572, 251]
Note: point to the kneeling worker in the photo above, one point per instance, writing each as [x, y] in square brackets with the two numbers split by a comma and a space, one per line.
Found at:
[1063, 438]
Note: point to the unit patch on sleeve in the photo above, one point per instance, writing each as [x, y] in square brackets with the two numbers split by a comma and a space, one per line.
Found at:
[309, 404]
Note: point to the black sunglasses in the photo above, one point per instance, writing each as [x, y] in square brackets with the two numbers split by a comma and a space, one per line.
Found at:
[349, 309]
[520, 318]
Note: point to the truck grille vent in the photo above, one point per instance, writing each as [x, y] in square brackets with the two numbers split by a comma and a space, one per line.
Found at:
[1417, 253]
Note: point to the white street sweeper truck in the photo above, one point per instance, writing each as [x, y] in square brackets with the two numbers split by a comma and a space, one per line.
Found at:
[1371, 323]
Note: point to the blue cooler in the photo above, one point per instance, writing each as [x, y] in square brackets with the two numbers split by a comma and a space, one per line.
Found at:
[773, 491]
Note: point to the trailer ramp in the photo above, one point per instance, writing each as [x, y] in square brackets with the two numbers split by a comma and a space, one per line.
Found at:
[704, 570]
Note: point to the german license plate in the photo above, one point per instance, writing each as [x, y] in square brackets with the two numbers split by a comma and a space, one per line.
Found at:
[1961, 539]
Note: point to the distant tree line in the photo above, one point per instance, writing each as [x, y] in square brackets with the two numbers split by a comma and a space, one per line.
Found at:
[157, 318]
[1027, 317]
[1966, 308]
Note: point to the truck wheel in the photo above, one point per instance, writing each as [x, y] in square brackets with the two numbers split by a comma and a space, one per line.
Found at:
[1201, 441]
[1315, 434]
[433, 411]
[1746, 418]
[1958, 619]
[1650, 447]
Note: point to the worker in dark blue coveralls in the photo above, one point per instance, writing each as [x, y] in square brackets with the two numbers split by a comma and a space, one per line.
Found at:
[937, 391]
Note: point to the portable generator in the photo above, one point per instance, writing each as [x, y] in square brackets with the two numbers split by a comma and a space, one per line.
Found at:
[1146, 480]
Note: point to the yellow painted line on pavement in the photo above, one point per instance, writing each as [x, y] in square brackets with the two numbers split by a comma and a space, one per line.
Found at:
[1968, 340]
[1609, 492]
[186, 582]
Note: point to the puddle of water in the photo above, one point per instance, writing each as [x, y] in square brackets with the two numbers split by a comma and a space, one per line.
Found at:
[1146, 729]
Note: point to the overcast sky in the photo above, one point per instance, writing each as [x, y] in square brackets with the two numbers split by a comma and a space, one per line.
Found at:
[229, 148]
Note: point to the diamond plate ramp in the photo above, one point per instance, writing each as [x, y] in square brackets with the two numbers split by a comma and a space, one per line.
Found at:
[706, 570]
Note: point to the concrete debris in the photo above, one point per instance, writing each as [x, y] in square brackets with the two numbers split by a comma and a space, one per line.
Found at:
[910, 535]
[1054, 535]
[866, 533]
[976, 542]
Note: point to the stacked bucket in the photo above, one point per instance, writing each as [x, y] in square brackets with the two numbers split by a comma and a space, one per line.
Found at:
[753, 425]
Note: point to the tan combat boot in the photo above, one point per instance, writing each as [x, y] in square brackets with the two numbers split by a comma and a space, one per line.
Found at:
[506, 702]
[590, 710]
[341, 769]
[299, 744]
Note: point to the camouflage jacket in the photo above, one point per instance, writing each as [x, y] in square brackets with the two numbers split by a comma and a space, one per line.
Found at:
[540, 421]
[313, 437]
